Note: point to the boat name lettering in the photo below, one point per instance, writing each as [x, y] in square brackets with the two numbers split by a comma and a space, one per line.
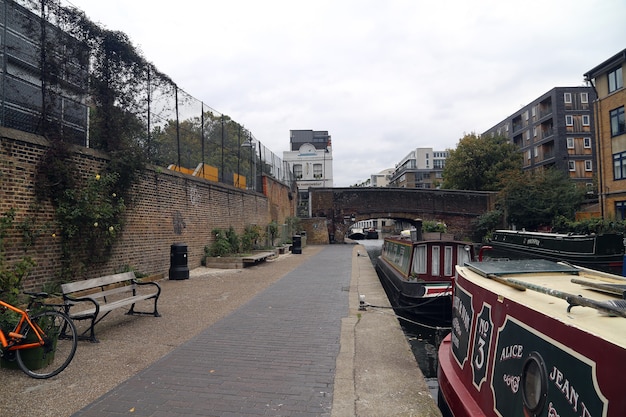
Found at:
[535, 242]
[512, 381]
[460, 307]
[511, 352]
[552, 411]
[455, 339]
[568, 390]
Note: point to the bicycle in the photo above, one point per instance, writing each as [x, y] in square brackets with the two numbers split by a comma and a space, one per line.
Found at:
[48, 337]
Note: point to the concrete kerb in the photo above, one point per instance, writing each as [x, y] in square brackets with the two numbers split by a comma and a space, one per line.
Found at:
[376, 372]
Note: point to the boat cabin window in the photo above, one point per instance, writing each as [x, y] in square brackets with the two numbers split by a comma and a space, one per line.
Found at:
[447, 261]
[462, 255]
[419, 260]
[435, 264]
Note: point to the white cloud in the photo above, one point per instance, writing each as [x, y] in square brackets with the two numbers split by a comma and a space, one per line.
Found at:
[381, 77]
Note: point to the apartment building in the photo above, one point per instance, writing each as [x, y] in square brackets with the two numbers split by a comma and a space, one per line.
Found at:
[555, 130]
[382, 178]
[421, 168]
[607, 79]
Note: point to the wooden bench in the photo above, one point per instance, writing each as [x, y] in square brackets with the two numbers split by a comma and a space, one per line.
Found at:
[93, 299]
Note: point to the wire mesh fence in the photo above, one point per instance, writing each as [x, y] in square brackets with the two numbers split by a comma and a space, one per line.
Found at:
[67, 78]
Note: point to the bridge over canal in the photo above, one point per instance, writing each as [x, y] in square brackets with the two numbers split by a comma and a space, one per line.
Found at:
[337, 208]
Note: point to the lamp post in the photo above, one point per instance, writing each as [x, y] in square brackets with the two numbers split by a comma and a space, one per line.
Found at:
[250, 143]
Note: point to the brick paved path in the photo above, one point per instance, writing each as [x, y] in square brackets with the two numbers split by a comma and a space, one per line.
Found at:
[275, 356]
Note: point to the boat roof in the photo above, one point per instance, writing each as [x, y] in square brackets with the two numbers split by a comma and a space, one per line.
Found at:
[549, 234]
[597, 298]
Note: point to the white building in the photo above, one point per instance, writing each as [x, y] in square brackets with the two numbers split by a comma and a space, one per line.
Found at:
[382, 178]
[311, 160]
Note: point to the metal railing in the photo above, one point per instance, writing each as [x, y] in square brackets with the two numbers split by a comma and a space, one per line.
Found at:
[91, 87]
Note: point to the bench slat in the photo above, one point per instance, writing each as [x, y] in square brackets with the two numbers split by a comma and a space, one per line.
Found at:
[110, 306]
[96, 282]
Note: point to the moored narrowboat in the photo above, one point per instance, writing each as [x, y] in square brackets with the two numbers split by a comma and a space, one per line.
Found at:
[603, 252]
[418, 274]
[534, 338]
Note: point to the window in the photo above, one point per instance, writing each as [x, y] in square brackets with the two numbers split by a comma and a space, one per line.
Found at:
[567, 97]
[616, 79]
[535, 131]
[587, 143]
[533, 111]
[585, 120]
[617, 121]
[536, 151]
[588, 166]
[571, 165]
[297, 171]
[435, 258]
[620, 210]
[526, 115]
[447, 261]
[584, 98]
[570, 143]
[569, 120]
[317, 171]
[619, 166]
[528, 154]
[419, 260]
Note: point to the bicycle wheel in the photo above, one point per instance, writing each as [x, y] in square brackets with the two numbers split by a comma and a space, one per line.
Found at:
[59, 334]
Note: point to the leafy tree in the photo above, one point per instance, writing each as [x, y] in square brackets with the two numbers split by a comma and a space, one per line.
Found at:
[479, 163]
[534, 199]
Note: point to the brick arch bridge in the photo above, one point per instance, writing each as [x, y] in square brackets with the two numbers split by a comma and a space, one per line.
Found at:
[338, 208]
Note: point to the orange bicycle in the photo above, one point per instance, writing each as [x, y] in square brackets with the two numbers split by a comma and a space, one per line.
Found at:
[43, 344]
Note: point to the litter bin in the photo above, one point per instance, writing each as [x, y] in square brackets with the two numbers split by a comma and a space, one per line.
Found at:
[178, 262]
[297, 244]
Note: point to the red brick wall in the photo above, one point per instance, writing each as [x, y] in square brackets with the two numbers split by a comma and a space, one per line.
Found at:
[167, 207]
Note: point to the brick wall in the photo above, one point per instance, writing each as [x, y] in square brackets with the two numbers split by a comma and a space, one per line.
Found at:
[166, 208]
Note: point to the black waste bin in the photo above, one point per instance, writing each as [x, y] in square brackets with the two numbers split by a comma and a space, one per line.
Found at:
[178, 262]
[297, 244]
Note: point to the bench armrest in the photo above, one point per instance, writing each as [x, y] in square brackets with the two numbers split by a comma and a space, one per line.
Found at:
[156, 284]
[72, 301]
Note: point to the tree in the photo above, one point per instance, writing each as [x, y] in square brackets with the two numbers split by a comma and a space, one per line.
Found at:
[479, 163]
[534, 199]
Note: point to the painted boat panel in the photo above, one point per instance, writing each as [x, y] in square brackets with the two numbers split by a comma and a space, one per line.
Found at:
[498, 331]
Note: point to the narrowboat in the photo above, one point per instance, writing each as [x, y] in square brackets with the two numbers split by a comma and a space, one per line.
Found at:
[604, 252]
[534, 338]
[418, 273]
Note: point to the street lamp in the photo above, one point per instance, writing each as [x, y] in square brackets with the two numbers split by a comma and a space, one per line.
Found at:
[250, 143]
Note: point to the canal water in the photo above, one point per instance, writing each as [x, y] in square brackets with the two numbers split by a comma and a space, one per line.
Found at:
[423, 338]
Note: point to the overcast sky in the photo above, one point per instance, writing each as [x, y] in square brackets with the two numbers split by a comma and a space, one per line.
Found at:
[382, 77]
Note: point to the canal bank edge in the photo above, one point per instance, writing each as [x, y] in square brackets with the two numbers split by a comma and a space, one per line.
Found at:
[376, 372]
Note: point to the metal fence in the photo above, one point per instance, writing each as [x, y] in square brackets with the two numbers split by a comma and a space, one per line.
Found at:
[68, 77]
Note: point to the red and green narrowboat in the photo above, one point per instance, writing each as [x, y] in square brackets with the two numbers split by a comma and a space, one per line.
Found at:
[534, 338]
[418, 274]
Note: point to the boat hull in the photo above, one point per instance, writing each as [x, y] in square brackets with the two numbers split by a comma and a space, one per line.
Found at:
[429, 302]
[514, 353]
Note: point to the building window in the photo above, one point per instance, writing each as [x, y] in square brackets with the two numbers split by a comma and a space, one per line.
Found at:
[587, 143]
[619, 166]
[528, 154]
[567, 97]
[569, 120]
[617, 121]
[533, 111]
[317, 171]
[297, 171]
[616, 81]
[588, 166]
[535, 131]
[571, 165]
[585, 120]
[570, 143]
[536, 151]
[584, 98]
[620, 210]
